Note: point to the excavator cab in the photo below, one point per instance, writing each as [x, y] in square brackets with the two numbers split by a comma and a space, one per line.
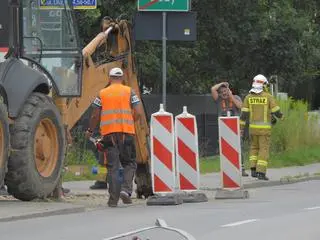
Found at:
[42, 63]
[50, 39]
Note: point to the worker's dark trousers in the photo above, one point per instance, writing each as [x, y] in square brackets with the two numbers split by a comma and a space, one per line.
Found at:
[120, 148]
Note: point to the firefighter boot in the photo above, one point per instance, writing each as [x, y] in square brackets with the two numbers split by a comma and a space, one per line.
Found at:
[253, 172]
[262, 176]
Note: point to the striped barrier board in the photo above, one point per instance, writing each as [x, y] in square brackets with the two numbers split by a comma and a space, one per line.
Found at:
[187, 153]
[4, 49]
[162, 152]
[3, 52]
[230, 152]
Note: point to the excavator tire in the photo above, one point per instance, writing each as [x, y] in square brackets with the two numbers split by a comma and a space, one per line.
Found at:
[38, 144]
[4, 140]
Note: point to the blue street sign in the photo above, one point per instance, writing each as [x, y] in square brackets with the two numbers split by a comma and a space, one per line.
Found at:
[77, 4]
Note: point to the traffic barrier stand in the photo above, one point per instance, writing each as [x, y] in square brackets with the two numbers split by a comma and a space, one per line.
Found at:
[230, 159]
[162, 160]
[187, 157]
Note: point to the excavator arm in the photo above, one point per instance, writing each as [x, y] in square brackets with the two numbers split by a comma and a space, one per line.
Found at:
[117, 38]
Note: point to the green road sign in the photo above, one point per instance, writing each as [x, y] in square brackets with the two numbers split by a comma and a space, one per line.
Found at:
[164, 5]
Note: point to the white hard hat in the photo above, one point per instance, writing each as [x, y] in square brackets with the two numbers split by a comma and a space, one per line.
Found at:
[116, 72]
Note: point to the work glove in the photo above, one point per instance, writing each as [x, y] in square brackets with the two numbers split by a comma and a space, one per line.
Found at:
[100, 146]
[273, 120]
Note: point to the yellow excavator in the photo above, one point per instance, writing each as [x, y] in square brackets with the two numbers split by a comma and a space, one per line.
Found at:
[47, 83]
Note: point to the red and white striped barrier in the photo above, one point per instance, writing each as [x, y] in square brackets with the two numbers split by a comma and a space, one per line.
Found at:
[187, 153]
[230, 152]
[162, 152]
[3, 52]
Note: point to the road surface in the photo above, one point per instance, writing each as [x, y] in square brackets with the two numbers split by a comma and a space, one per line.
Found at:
[283, 212]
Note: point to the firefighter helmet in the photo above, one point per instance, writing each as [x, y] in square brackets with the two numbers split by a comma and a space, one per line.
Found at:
[260, 79]
[259, 83]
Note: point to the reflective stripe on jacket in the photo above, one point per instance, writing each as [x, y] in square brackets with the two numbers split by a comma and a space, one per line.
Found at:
[259, 108]
[116, 112]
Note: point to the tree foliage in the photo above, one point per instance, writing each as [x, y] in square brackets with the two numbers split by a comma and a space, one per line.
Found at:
[236, 41]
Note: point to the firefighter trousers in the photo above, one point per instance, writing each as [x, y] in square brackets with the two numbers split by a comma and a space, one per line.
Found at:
[259, 152]
[120, 148]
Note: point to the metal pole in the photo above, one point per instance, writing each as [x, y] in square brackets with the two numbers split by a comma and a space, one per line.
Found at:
[276, 87]
[164, 59]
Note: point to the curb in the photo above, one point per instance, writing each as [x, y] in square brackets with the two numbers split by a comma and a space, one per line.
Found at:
[44, 214]
[258, 184]
[271, 183]
[284, 181]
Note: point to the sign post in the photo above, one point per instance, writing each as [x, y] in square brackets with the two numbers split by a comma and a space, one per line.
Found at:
[164, 6]
[164, 59]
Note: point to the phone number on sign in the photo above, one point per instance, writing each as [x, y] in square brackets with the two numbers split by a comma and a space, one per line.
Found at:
[74, 2]
[84, 2]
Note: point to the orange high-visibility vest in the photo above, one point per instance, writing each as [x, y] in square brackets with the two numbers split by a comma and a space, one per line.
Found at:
[224, 105]
[116, 112]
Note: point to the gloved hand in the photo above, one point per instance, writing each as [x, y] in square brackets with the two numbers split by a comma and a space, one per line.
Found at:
[100, 146]
[273, 120]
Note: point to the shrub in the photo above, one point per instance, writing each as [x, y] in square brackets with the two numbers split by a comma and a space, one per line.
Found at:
[298, 129]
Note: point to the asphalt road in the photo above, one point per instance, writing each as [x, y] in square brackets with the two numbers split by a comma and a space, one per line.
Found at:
[284, 212]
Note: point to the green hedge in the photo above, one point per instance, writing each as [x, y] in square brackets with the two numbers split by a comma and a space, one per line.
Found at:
[297, 130]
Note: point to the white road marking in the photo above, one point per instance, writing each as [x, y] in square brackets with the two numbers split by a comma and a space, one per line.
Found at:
[240, 223]
[312, 208]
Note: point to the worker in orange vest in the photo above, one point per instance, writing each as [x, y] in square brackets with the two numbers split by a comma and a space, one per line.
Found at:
[117, 107]
[226, 101]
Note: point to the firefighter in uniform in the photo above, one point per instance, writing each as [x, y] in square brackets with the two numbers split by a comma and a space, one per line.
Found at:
[117, 107]
[257, 110]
